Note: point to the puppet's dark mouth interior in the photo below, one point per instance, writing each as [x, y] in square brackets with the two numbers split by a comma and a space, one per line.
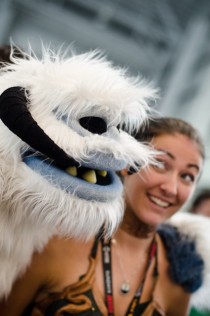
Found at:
[94, 176]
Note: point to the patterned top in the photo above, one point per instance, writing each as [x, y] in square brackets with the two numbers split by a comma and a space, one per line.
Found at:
[160, 297]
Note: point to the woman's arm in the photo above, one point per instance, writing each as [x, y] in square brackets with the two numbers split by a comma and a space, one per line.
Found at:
[60, 263]
[26, 287]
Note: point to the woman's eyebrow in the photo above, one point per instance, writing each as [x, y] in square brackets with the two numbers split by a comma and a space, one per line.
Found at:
[166, 152]
[190, 165]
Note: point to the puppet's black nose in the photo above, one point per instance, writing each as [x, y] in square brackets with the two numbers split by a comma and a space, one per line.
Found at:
[93, 124]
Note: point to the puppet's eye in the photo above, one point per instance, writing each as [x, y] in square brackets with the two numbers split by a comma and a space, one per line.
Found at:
[93, 124]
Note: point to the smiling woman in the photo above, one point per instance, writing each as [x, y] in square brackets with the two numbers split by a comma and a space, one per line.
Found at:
[140, 271]
[156, 193]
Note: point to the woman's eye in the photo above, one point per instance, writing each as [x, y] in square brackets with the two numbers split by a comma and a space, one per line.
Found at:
[189, 178]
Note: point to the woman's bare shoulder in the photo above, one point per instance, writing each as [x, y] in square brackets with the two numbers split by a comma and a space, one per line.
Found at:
[25, 287]
[61, 247]
[48, 270]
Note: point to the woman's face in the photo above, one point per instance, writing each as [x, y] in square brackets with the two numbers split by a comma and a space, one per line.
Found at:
[155, 194]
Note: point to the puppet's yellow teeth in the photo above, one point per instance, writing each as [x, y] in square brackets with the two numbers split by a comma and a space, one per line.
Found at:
[90, 176]
[72, 171]
[102, 173]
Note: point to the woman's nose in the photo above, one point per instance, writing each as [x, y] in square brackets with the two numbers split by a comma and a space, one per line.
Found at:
[170, 185]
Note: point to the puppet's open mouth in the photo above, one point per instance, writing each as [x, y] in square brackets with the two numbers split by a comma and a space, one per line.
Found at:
[86, 182]
[100, 177]
[91, 175]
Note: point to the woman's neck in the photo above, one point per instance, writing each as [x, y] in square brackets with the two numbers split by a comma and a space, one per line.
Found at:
[133, 226]
[133, 234]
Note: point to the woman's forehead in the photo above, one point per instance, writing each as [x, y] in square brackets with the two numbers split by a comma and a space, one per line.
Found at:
[179, 147]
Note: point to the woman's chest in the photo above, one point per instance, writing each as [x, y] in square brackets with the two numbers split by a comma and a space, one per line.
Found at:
[110, 283]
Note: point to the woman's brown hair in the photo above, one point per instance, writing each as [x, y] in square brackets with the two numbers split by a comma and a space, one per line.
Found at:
[169, 125]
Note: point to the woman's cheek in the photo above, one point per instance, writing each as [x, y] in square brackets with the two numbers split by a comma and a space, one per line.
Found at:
[186, 193]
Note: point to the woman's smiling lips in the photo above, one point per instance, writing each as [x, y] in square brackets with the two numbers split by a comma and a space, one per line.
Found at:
[159, 202]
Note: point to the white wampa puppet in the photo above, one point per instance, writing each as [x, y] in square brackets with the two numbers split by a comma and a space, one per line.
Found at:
[61, 141]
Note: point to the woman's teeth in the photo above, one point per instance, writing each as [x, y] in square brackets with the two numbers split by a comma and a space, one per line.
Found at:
[159, 202]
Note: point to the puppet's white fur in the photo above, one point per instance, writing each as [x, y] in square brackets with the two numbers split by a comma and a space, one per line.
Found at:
[32, 210]
[198, 229]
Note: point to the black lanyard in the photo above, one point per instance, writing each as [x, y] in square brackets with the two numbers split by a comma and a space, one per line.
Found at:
[107, 269]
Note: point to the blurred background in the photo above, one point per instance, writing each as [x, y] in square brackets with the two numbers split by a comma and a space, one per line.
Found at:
[166, 41]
